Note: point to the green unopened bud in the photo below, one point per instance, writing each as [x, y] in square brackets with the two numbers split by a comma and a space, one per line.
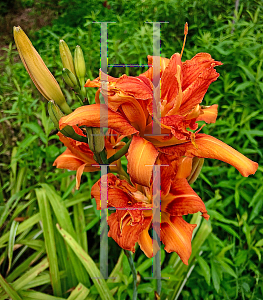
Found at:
[70, 79]
[38, 71]
[197, 165]
[55, 115]
[80, 67]
[66, 57]
[96, 139]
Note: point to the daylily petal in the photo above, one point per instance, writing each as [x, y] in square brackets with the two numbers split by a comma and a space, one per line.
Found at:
[169, 83]
[182, 200]
[138, 87]
[163, 64]
[195, 92]
[141, 158]
[178, 126]
[176, 234]
[80, 171]
[130, 107]
[210, 147]
[116, 197]
[148, 245]
[182, 167]
[93, 116]
[68, 160]
[167, 173]
[191, 69]
[128, 234]
[209, 114]
[79, 149]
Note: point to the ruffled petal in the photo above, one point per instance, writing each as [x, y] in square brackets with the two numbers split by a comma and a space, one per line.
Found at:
[176, 235]
[93, 116]
[125, 234]
[141, 158]
[207, 146]
[117, 191]
[169, 82]
[195, 92]
[182, 200]
[192, 68]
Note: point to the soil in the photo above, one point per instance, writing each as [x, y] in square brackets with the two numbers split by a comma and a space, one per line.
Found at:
[30, 19]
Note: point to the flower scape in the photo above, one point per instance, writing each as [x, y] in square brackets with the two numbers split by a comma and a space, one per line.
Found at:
[129, 115]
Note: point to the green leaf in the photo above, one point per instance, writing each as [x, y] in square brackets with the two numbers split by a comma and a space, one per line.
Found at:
[220, 217]
[215, 276]
[89, 265]
[35, 128]
[47, 224]
[21, 228]
[259, 243]
[33, 295]
[9, 290]
[11, 243]
[227, 268]
[30, 275]
[205, 268]
[79, 222]
[228, 229]
[64, 220]
[79, 293]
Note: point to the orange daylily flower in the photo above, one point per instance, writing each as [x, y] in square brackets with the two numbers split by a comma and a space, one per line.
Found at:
[133, 217]
[130, 100]
[79, 157]
[183, 86]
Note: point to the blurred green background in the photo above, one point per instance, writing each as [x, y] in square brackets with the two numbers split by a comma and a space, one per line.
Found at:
[230, 265]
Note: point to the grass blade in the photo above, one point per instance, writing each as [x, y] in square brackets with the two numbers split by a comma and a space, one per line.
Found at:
[64, 220]
[79, 222]
[11, 243]
[9, 290]
[45, 213]
[79, 293]
[89, 265]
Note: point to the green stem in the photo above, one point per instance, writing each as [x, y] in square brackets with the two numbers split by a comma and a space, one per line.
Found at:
[120, 153]
[98, 158]
[134, 273]
[103, 156]
[79, 138]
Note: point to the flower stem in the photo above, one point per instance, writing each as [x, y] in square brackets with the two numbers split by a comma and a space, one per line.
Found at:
[134, 273]
[120, 153]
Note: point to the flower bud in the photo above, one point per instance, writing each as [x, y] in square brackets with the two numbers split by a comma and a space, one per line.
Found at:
[197, 165]
[38, 71]
[66, 57]
[70, 79]
[55, 115]
[80, 67]
[96, 139]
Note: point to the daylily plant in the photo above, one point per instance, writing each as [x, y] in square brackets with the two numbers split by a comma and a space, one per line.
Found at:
[134, 106]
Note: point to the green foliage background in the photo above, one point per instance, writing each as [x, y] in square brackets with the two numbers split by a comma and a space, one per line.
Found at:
[228, 265]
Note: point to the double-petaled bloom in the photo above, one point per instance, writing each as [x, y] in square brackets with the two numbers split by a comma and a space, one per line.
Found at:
[131, 101]
[135, 205]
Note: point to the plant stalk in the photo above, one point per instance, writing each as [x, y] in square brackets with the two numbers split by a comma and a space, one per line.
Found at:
[134, 273]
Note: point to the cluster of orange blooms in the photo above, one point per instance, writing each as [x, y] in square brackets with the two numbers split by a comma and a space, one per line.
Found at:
[130, 116]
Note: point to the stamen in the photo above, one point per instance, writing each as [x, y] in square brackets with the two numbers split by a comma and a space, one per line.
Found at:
[192, 137]
[185, 34]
